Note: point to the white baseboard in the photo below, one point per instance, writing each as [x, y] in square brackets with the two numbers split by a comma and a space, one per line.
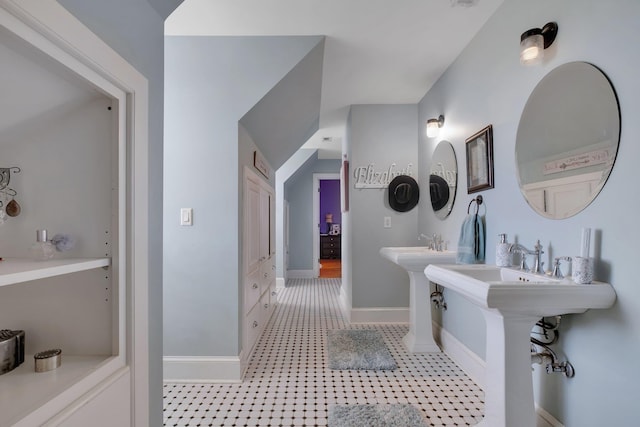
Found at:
[345, 304]
[213, 369]
[545, 419]
[300, 274]
[466, 359]
[475, 368]
[379, 315]
[280, 282]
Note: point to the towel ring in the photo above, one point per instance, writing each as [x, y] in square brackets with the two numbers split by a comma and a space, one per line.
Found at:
[478, 201]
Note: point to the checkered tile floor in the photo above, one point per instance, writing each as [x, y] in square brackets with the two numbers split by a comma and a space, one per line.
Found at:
[288, 383]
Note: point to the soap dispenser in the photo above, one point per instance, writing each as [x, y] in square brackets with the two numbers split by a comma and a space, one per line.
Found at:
[503, 256]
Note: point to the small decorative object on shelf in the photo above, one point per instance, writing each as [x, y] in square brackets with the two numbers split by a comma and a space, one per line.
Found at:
[63, 242]
[334, 230]
[8, 204]
[42, 249]
[328, 218]
[13, 208]
[48, 360]
[11, 350]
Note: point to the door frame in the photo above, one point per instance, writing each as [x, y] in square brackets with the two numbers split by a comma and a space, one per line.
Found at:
[315, 222]
[285, 240]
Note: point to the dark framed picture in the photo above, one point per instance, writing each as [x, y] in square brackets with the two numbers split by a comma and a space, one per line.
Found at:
[480, 160]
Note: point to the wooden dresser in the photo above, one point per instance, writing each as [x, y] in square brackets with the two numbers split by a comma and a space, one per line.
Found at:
[329, 246]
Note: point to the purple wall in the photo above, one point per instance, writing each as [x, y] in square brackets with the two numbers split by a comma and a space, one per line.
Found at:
[329, 202]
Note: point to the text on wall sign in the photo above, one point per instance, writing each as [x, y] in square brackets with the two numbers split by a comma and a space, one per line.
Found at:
[369, 177]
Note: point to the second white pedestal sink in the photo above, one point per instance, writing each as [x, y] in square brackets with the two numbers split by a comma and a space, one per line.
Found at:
[414, 260]
[512, 301]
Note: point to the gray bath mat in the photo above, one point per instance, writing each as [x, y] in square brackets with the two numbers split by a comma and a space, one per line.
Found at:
[398, 415]
[358, 349]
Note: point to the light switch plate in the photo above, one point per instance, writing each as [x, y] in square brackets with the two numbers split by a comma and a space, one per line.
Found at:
[186, 216]
[387, 222]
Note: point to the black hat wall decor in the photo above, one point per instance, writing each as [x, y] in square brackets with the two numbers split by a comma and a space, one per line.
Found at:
[439, 190]
[404, 193]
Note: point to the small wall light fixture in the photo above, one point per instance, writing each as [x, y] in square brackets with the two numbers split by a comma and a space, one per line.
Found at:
[533, 42]
[434, 125]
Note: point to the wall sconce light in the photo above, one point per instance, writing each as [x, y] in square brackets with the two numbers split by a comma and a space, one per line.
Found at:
[534, 41]
[434, 125]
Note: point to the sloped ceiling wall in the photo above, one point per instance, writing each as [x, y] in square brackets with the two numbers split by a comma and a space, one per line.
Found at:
[288, 115]
[34, 90]
[164, 7]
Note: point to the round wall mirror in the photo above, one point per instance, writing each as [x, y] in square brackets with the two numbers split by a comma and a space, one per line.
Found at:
[567, 140]
[443, 179]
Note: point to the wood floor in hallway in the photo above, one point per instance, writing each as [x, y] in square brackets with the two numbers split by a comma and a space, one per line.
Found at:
[330, 268]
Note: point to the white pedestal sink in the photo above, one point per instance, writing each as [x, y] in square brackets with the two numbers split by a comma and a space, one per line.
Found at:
[414, 260]
[512, 302]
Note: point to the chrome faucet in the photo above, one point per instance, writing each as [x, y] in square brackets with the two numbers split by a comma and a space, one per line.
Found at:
[434, 242]
[537, 251]
[557, 273]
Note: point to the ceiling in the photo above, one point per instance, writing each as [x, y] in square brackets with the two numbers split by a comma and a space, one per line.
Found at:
[376, 51]
[164, 7]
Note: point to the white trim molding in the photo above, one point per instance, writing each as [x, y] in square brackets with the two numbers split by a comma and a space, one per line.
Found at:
[300, 274]
[379, 315]
[466, 359]
[210, 369]
[280, 283]
[545, 419]
[317, 177]
[474, 367]
[345, 304]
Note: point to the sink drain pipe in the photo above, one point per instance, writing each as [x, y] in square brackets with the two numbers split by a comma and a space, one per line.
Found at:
[549, 357]
[437, 297]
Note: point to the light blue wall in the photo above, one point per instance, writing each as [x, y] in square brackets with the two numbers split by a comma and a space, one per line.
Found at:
[382, 135]
[486, 84]
[211, 82]
[136, 31]
[283, 174]
[299, 193]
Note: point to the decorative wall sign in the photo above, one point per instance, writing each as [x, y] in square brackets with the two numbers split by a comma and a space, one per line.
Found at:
[260, 164]
[369, 177]
[592, 158]
[480, 160]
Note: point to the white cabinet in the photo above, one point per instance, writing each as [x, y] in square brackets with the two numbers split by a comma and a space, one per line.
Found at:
[68, 119]
[259, 260]
[562, 197]
[265, 223]
[253, 245]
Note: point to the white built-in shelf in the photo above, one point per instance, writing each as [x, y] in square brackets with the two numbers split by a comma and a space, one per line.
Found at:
[26, 394]
[17, 270]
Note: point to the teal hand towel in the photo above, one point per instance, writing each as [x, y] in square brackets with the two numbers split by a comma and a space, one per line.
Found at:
[471, 243]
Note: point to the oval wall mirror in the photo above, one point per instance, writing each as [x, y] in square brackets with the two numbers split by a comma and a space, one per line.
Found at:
[567, 140]
[443, 179]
